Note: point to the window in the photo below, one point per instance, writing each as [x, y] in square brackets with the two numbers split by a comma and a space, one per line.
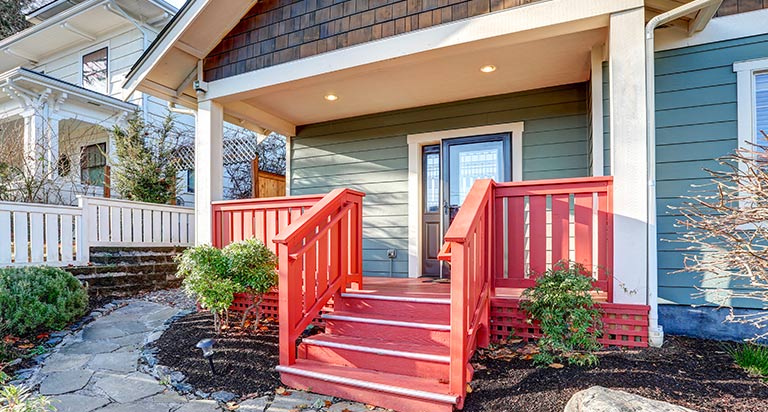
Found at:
[761, 108]
[96, 71]
[752, 86]
[93, 164]
[191, 181]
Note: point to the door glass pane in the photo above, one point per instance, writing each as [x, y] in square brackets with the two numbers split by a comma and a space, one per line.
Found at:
[472, 161]
[432, 180]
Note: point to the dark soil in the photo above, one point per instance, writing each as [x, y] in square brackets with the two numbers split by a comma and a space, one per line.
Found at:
[244, 361]
[694, 373]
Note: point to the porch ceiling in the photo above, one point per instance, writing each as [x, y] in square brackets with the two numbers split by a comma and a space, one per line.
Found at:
[439, 76]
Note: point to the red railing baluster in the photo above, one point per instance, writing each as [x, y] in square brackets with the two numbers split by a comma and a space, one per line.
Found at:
[478, 242]
[317, 262]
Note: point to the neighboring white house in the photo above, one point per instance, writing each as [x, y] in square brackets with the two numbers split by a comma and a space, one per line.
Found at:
[60, 90]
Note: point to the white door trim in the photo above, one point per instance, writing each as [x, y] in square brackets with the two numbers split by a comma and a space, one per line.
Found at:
[415, 144]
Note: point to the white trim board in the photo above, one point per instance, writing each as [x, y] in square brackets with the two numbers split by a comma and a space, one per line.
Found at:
[415, 144]
[719, 29]
[746, 104]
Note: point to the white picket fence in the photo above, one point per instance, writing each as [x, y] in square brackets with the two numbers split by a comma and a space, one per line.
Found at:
[37, 234]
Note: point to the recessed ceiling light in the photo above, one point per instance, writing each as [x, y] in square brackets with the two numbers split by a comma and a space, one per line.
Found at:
[488, 68]
[331, 97]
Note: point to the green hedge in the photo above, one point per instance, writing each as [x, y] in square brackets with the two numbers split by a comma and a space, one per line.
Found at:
[35, 298]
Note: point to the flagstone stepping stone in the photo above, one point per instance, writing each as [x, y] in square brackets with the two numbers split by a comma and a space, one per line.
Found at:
[129, 388]
[254, 405]
[59, 383]
[101, 331]
[203, 406]
[78, 403]
[118, 361]
[297, 400]
[136, 407]
[59, 362]
[89, 348]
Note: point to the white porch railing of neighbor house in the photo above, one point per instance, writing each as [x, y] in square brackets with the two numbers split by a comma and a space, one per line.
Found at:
[39, 234]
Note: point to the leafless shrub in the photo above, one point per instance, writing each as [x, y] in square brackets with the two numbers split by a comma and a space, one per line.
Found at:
[726, 233]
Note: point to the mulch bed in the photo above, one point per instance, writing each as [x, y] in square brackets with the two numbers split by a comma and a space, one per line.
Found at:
[694, 373]
[244, 361]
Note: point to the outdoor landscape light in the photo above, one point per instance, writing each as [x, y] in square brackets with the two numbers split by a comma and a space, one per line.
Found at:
[331, 97]
[488, 68]
[206, 345]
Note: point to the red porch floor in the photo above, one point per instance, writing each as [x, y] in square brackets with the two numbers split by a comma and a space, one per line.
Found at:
[427, 288]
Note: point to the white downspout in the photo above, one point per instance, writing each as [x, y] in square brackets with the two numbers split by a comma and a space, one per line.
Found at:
[655, 331]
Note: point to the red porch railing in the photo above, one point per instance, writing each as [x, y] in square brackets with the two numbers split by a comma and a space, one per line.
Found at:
[262, 219]
[320, 254]
[505, 235]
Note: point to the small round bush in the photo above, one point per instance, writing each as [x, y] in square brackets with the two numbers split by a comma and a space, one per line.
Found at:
[35, 298]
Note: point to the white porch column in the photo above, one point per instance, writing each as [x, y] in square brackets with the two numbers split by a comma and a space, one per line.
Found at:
[629, 154]
[52, 146]
[33, 140]
[209, 166]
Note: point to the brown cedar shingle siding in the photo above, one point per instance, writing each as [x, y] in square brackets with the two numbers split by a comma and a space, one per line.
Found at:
[279, 31]
[740, 6]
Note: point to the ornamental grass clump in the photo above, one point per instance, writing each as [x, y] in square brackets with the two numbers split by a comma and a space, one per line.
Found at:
[751, 357]
[570, 322]
[213, 276]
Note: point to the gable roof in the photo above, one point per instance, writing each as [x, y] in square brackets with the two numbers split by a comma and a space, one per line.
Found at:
[168, 68]
[63, 24]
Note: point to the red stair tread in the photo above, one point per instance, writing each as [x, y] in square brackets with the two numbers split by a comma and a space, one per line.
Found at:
[375, 343]
[394, 317]
[390, 379]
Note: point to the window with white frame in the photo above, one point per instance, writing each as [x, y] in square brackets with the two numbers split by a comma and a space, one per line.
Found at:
[95, 70]
[752, 86]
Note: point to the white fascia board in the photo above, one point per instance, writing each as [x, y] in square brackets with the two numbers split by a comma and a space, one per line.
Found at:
[528, 18]
[719, 29]
[53, 21]
[162, 45]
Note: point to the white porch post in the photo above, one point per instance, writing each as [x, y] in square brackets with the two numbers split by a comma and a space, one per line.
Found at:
[629, 154]
[52, 146]
[34, 139]
[208, 166]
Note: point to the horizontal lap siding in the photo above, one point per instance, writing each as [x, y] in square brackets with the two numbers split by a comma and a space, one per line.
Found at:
[370, 154]
[696, 122]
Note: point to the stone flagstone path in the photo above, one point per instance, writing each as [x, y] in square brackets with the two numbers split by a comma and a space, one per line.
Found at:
[96, 369]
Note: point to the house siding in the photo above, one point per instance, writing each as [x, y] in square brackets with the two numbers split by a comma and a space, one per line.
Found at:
[696, 114]
[279, 31]
[740, 6]
[370, 154]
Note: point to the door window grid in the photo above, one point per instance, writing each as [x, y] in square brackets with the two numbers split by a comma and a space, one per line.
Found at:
[432, 182]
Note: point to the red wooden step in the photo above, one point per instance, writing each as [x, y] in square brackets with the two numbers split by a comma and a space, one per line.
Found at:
[367, 325]
[399, 392]
[406, 308]
[393, 356]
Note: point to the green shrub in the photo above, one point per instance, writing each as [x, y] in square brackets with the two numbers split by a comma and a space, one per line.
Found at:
[254, 267]
[205, 273]
[34, 298]
[752, 357]
[570, 322]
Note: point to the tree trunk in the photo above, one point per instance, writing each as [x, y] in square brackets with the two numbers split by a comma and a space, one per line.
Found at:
[255, 304]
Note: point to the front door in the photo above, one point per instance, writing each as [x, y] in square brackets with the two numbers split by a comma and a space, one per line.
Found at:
[468, 159]
[449, 170]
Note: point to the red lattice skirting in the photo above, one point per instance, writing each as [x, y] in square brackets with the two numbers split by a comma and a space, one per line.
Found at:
[269, 306]
[623, 325]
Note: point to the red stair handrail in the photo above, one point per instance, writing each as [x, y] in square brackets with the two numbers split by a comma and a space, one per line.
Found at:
[320, 254]
[468, 246]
